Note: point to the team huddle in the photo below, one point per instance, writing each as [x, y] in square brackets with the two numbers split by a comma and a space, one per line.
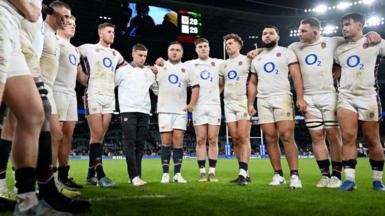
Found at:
[39, 68]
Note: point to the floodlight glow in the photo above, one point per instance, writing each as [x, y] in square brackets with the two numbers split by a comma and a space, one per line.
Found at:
[321, 8]
[367, 2]
[343, 5]
[373, 21]
[329, 29]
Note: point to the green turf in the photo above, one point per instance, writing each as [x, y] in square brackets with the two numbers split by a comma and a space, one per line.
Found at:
[223, 198]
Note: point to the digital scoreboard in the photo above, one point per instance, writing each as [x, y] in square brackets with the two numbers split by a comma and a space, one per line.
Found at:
[190, 23]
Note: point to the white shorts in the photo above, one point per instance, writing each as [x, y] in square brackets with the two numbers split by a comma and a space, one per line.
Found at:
[324, 108]
[99, 104]
[51, 99]
[66, 104]
[12, 61]
[236, 111]
[368, 108]
[169, 121]
[207, 114]
[275, 109]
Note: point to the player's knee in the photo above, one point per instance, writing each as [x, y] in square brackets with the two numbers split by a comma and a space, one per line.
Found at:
[348, 137]
[213, 141]
[235, 139]
[244, 140]
[34, 119]
[286, 137]
[372, 140]
[201, 140]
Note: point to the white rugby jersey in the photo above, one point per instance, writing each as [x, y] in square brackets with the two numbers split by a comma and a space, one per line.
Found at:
[35, 31]
[235, 71]
[49, 61]
[13, 12]
[272, 70]
[206, 71]
[101, 65]
[173, 80]
[316, 62]
[359, 64]
[133, 88]
[68, 62]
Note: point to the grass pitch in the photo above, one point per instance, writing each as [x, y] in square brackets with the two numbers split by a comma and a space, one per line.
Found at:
[224, 198]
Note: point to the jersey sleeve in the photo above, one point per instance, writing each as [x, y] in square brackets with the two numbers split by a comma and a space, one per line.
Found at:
[253, 68]
[120, 60]
[192, 78]
[291, 57]
[382, 48]
[222, 72]
[83, 50]
[119, 75]
[338, 40]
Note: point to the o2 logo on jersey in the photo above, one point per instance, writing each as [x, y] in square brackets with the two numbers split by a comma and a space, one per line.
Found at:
[107, 62]
[270, 67]
[312, 59]
[354, 61]
[233, 75]
[205, 75]
[72, 59]
[174, 79]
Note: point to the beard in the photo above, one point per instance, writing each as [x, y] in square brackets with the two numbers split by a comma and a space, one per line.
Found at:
[270, 45]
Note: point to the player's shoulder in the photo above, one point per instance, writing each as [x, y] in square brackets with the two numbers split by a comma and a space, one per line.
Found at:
[190, 62]
[87, 46]
[294, 45]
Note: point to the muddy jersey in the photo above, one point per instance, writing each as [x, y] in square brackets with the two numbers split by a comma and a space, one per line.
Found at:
[359, 64]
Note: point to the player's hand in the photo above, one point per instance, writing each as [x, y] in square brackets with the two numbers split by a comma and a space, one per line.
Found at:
[160, 62]
[251, 54]
[301, 104]
[154, 69]
[373, 37]
[188, 108]
[252, 110]
[33, 13]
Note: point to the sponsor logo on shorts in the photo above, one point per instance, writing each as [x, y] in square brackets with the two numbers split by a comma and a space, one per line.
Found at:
[288, 114]
[371, 115]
